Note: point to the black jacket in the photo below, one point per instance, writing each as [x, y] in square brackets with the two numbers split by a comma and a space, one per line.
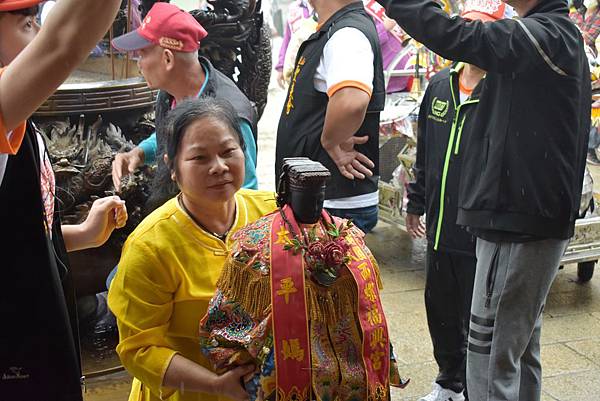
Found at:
[442, 122]
[39, 341]
[525, 153]
[303, 116]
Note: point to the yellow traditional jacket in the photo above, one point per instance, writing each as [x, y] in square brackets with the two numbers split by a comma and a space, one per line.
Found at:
[166, 277]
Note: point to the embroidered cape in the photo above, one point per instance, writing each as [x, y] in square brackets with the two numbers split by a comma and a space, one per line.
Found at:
[341, 360]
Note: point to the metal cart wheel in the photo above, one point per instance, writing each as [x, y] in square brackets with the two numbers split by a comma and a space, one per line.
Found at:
[585, 271]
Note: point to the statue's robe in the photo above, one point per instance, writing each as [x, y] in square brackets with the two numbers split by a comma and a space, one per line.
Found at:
[238, 327]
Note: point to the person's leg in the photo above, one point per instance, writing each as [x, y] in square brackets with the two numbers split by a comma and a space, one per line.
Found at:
[507, 303]
[464, 270]
[593, 142]
[364, 218]
[531, 366]
[481, 324]
[444, 309]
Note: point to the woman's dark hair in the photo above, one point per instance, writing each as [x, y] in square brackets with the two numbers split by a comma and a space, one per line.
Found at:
[171, 132]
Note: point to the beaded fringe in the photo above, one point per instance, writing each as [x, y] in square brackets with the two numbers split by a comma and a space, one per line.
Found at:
[246, 286]
[252, 290]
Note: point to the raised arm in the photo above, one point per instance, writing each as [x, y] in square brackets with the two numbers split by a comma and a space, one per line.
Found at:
[508, 45]
[69, 33]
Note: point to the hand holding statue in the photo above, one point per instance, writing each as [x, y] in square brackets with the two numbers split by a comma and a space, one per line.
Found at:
[230, 384]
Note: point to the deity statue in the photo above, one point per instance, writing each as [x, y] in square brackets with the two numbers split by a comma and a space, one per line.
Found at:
[299, 298]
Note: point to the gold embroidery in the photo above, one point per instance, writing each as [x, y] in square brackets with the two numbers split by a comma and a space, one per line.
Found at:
[283, 236]
[374, 316]
[365, 273]
[169, 43]
[377, 338]
[292, 350]
[357, 254]
[376, 359]
[287, 288]
[370, 292]
[295, 394]
[290, 102]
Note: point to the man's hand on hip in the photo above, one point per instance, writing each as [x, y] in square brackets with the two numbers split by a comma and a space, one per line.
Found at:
[351, 163]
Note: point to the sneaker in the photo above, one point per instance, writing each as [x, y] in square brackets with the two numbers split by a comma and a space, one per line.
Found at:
[439, 393]
[592, 158]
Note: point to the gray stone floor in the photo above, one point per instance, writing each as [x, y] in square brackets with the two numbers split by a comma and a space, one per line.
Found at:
[570, 336]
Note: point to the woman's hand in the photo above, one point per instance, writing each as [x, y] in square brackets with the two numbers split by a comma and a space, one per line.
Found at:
[105, 215]
[230, 384]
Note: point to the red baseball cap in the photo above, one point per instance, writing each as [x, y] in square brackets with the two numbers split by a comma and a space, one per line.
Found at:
[486, 10]
[166, 25]
[13, 5]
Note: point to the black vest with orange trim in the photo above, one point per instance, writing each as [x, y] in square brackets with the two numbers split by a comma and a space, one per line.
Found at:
[303, 116]
[39, 353]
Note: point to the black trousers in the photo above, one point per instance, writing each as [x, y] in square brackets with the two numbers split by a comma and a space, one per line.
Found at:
[448, 293]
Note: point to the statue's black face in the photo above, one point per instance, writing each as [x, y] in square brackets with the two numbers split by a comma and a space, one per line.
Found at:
[307, 203]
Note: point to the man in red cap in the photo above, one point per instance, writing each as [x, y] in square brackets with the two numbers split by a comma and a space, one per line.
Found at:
[39, 356]
[167, 42]
[447, 110]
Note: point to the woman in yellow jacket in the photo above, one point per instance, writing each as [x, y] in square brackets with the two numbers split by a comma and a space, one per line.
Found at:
[171, 262]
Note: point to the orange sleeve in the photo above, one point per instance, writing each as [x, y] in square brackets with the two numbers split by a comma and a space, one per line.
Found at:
[10, 145]
[349, 84]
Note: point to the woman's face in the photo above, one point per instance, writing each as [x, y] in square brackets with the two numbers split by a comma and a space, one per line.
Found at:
[209, 166]
[16, 32]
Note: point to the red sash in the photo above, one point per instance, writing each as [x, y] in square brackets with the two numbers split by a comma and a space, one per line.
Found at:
[376, 341]
[290, 316]
[290, 321]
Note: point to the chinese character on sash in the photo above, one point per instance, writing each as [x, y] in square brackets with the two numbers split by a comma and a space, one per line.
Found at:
[377, 338]
[365, 273]
[376, 359]
[370, 292]
[292, 350]
[357, 254]
[287, 288]
[283, 236]
[374, 316]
